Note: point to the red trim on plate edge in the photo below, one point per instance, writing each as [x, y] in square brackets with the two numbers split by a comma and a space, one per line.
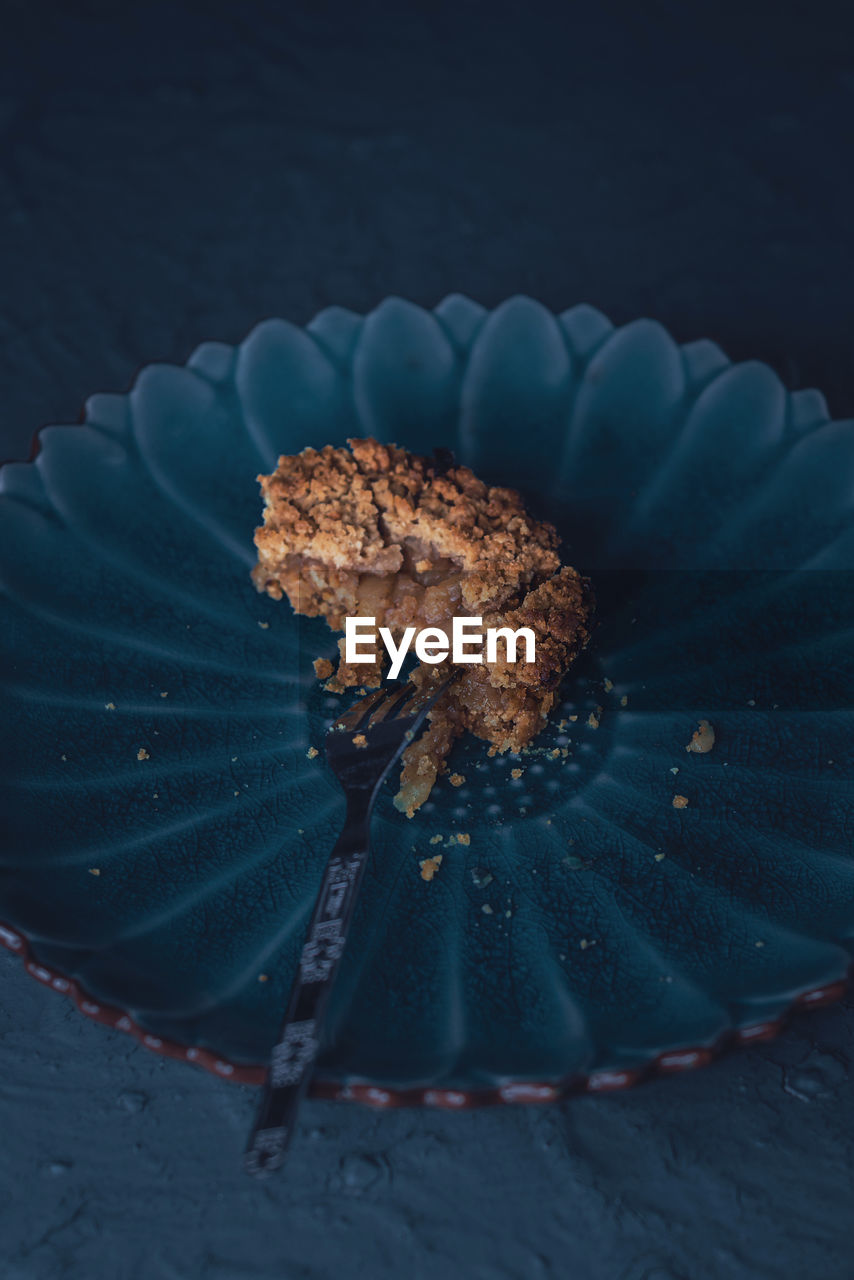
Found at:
[518, 1091]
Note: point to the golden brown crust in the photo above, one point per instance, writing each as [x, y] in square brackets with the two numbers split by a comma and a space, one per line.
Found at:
[374, 531]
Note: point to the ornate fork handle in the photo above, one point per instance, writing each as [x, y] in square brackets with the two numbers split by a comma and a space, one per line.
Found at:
[294, 1055]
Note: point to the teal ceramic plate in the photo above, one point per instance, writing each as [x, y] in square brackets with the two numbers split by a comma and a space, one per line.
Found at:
[623, 905]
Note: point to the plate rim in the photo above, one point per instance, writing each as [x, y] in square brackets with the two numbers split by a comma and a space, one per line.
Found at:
[667, 1062]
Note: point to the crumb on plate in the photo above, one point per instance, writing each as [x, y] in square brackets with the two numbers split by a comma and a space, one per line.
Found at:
[702, 739]
[429, 866]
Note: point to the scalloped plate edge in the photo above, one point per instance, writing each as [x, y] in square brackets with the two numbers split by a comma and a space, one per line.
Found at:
[669, 1062]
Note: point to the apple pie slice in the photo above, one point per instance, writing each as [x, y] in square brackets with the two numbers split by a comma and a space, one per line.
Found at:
[375, 531]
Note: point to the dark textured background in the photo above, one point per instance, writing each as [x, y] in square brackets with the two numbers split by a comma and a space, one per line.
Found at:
[177, 171]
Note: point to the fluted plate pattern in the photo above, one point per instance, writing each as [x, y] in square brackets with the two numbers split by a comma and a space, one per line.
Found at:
[166, 829]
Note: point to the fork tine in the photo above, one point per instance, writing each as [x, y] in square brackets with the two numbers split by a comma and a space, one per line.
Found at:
[389, 704]
[417, 699]
[353, 718]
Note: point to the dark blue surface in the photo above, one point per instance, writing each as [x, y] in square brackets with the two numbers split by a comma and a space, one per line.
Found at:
[181, 173]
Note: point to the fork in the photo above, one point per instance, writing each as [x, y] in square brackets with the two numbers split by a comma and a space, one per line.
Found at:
[361, 747]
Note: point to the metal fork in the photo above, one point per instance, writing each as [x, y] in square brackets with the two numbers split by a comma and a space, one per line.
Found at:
[361, 747]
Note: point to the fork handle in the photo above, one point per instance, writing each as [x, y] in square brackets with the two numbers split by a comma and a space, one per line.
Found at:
[292, 1060]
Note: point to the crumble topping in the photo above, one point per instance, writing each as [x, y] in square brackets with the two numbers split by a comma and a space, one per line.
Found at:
[374, 531]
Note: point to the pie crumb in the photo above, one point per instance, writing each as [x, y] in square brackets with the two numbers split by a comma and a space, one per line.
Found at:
[680, 802]
[429, 866]
[265, 626]
[312, 753]
[457, 779]
[323, 668]
[360, 740]
[516, 773]
[435, 839]
[109, 706]
[142, 754]
[94, 871]
[702, 739]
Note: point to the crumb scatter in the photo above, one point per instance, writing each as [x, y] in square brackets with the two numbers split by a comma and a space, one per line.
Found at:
[702, 739]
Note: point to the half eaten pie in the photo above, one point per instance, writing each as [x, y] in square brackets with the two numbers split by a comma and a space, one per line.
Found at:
[374, 531]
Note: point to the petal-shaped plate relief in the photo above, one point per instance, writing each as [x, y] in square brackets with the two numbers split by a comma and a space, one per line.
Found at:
[108, 413]
[190, 436]
[137, 525]
[807, 410]
[585, 329]
[515, 395]
[800, 506]
[730, 438]
[624, 419]
[610, 952]
[291, 393]
[406, 378]
[337, 330]
[704, 360]
[462, 320]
